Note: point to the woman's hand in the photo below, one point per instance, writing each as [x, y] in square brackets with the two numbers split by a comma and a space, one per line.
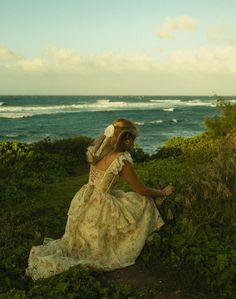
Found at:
[168, 190]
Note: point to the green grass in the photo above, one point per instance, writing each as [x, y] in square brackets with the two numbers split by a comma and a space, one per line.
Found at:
[25, 224]
[37, 185]
[44, 214]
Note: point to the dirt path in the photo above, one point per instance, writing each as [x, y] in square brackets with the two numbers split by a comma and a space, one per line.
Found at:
[158, 287]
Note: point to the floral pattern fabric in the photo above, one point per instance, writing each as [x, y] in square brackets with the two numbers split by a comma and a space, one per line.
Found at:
[106, 228]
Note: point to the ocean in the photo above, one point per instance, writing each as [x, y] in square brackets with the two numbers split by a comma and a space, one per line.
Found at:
[32, 118]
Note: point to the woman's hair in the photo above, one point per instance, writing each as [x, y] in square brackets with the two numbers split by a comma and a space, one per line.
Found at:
[123, 129]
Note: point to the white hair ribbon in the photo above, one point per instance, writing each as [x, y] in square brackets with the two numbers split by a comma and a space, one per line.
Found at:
[108, 132]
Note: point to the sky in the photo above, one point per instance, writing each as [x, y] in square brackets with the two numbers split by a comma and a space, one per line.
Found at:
[110, 47]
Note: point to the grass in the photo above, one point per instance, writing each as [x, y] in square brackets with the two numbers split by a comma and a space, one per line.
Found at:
[45, 215]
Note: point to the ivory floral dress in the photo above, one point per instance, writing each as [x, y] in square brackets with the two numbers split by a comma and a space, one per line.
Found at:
[106, 228]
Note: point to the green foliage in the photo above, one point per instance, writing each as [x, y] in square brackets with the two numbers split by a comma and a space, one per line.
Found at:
[13, 152]
[26, 167]
[219, 126]
[26, 222]
[44, 159]
[202, 235]
[200, 239]
[177, 146]
[76, 283]
[71, 153]
[139, 155]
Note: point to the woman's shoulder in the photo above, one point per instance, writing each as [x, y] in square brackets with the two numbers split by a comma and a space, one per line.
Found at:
[107, 161]
[120, 157]
[114, 155]
[125, 156]
[119, 161]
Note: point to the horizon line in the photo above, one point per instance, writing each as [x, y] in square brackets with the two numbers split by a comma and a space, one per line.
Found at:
[124, 95]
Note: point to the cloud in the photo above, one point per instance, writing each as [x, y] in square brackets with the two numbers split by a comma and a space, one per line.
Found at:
[205, 60]
[7, 55]
[216, 32]
[66, 61]
[10, 61]
[59, 70]
[171, 25]
[61, 54]
[74, 62]
[32, 65]
[220, 33]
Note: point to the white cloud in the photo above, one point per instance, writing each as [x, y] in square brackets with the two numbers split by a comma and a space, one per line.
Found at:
[66, 61]
[207, 60]
[7, 55]
[71, 61]
[11, 61]
[60, 70]
[220, 33]
[216, 32]
[61, 54]
[32, 65]
[171, 25]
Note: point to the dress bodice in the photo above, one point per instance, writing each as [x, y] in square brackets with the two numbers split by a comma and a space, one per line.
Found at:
[105, 180]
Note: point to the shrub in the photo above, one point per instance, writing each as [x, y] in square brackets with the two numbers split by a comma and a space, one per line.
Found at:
[202, 236]
[71, 151]
[177, 146]
[139, 155]
[219, 126]
[77, 283]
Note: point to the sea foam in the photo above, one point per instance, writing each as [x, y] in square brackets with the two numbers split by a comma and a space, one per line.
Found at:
[139, 123]
[158, 121]
[99, 105]
[169, 109]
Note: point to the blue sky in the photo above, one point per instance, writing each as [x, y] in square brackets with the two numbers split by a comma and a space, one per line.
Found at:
[117, 47]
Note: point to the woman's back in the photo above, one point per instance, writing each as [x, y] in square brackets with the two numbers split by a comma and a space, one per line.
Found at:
[106, 161]
[105, 173]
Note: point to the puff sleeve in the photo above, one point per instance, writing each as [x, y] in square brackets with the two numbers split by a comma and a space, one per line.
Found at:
[119, 162]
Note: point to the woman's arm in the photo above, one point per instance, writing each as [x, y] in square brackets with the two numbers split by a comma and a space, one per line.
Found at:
[129, 175]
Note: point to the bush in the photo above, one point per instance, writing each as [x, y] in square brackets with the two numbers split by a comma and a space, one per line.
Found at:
[25, 168]
[202, 235]
[219, 126]
[45, 160]
[77, 283]
[199, 236]
[71, 152]
[177, 146]
[139, 155]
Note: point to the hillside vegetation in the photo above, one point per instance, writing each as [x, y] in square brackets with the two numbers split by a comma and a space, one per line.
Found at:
[38, 181]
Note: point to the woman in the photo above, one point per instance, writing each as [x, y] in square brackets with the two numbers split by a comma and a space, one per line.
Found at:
[106, 228]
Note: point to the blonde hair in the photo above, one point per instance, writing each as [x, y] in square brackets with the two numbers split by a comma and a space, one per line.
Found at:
[123, 129]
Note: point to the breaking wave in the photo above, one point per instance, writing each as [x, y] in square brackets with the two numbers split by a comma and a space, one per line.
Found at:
[139, 123]
[169, 109]
[99, 105]
[158, 121]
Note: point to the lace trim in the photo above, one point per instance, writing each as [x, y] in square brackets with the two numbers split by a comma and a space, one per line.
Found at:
[118, 163]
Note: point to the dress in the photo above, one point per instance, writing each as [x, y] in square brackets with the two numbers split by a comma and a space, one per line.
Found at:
[106, 228]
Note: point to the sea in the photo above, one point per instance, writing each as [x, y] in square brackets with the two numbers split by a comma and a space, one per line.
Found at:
[158, 118]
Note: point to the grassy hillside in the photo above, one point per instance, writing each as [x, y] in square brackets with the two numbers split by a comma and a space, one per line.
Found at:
[38, 181]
